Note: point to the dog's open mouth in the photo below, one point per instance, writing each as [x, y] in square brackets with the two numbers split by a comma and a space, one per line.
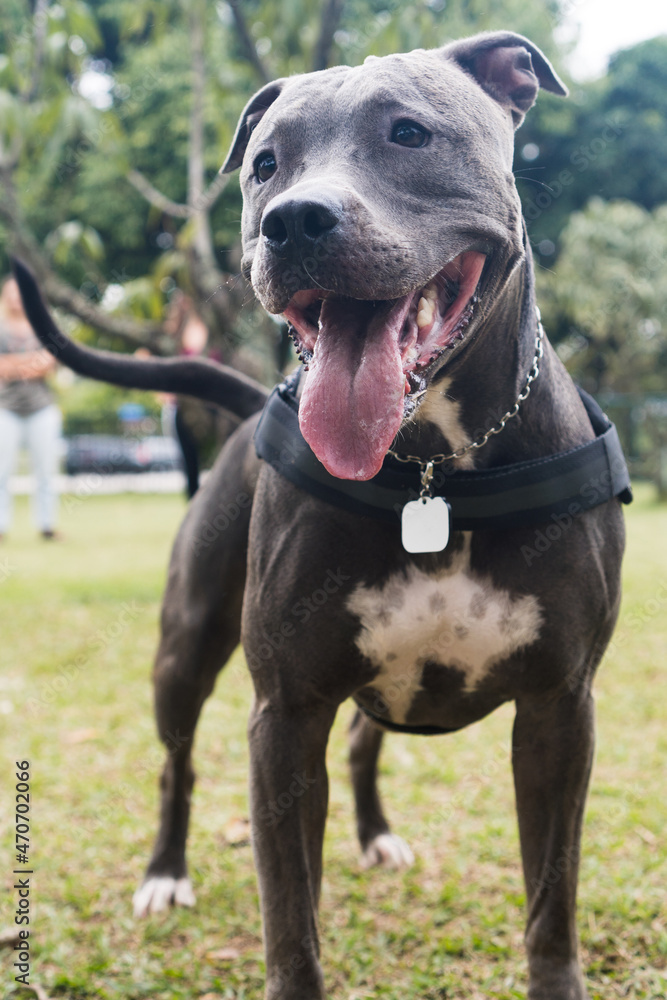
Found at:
[368, 362]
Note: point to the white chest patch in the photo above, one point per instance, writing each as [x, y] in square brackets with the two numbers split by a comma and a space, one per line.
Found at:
[455, 619]
[437, 408]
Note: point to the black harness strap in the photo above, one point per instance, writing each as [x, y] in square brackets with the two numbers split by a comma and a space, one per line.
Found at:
[512, 496]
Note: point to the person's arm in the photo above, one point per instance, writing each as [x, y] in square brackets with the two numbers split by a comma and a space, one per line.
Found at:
[23, 367]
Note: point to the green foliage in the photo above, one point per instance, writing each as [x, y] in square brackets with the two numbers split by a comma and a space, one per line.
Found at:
[92, 407]
[74, 238]
[606, 298]
[638, 95]
[386, 26]
[608, 140]
[76, 155]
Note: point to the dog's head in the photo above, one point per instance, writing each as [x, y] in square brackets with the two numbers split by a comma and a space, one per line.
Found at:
[379, 203]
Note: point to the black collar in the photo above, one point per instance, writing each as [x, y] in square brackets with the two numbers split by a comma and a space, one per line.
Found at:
[525, 493]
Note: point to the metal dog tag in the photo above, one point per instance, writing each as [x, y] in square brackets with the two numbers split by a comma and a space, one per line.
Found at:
[425, 525]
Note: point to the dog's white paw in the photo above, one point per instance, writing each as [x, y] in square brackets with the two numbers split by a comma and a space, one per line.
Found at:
[159, 892]
[388, 851]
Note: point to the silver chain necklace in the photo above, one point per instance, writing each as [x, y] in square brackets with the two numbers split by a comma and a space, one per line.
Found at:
[427, 464]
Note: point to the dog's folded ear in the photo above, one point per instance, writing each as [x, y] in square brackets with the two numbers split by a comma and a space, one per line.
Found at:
[508, 67]
[253, 112]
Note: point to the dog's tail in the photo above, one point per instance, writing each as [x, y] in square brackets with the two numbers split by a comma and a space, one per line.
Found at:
[207, 380]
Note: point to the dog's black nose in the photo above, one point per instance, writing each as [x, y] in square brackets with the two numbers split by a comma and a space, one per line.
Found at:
[297, 223]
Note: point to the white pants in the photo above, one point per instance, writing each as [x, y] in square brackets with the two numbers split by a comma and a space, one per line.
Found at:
[40, 433]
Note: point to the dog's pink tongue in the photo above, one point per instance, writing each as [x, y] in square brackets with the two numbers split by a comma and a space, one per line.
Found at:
[352, 403]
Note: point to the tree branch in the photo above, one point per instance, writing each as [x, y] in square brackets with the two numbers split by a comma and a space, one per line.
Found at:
[199, 201]
[156, 198]
[246, 41]
[331, 15]
[196, 137]
[207, 282]
[40, 22]
[135, 333]
[201, 239]
[213, 192]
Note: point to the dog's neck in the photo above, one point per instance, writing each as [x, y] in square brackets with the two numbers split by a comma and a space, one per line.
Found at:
[484, 381]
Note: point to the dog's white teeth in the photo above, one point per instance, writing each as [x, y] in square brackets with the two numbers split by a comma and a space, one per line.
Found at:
[425, 312]
[427, 305]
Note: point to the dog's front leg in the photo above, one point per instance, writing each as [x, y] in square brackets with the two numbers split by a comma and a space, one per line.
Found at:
[552, 754]
[289, 795]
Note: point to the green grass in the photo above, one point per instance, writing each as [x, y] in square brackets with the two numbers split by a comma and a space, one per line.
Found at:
[78, 625]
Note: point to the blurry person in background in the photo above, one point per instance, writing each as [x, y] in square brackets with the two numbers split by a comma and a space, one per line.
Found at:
[28, 414]
[195, 424]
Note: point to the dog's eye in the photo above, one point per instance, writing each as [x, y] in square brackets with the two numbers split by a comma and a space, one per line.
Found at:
[265, 166]
[409, 134]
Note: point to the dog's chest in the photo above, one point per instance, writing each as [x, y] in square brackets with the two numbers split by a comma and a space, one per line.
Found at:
[455, 620]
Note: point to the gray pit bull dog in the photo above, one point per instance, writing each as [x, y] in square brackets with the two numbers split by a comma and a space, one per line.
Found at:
[382, 220]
